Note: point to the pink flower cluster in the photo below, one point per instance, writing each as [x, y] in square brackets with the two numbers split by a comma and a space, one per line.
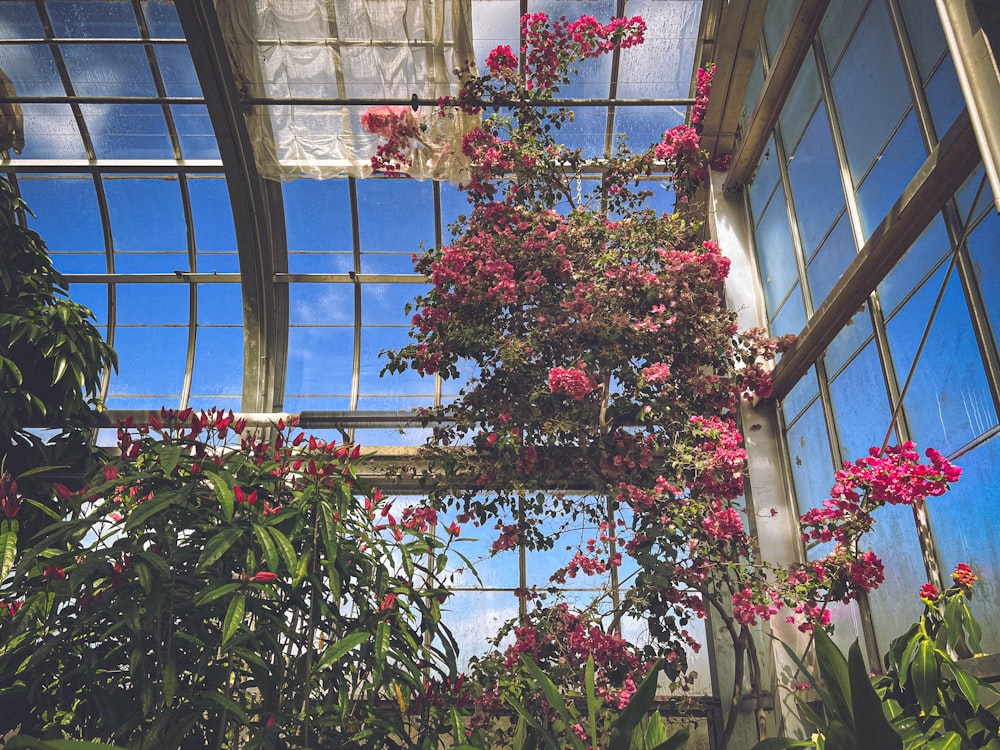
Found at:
[400, 129]
[501, 59]
[549, 48]
[703, 91]
[573, 381]
[658, 372]
[893, 476]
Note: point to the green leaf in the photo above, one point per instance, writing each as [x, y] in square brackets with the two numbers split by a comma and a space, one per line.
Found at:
[8, 547]
[950, 741]
[677, 741]
[170, 682]
[925, 675]
[968, 684]
[872, 729]
[780, 743]
[148, 508]
[223, 490]
[285, 549]
[24, 742]
[328, 527]
[638, 706]
[588, 682]
[268, 547]
[520, 733]
[531, 721]
[555, 699]
[214, 592]
[336, 651]
[833, 669]
[234, 617]
[217, 547]
[226, 703]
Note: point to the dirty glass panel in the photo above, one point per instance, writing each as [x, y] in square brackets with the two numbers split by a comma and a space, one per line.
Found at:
[814, 176]
[860, 404]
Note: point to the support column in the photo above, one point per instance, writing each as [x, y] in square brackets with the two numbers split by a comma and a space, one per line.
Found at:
[770, 505]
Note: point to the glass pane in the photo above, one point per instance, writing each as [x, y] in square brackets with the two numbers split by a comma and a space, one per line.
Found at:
[107, 20]
[321, 304]
[319, 361]
[373, 341]
[51, 133]
[177, 70]
[317, 215]
[860, 405]
[809, 457]
[831, 260]
[66, 212]
[30, 68]
[791, 318]
[949, 401]
[378, 199]
[838, 24]
[850, 338]
[151, 363]
[162, 20]
[923, 25]
[895, 604]
[218, 363]
[159, 304]
[983, 250]
[20, 21]
[815, 183]
[776, 18]
[800, 104]
[800, 396]
[212, 215]
[146, 213]
[151, 262]
[893, 170]
[870, 65]
[755, 84]
[965, 532]
[382, 304]
[220, 304]
[194, 129]
[944, 95]
[127, 131]
[764, 180]
[932, 245]
[775, 252]
[108, 69]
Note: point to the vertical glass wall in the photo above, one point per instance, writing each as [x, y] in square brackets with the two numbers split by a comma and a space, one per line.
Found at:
[917, 361]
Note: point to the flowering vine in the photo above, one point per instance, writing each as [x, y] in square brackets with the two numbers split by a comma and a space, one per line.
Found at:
[600, 358]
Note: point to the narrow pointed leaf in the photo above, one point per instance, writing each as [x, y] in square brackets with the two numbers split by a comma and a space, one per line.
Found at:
[968, 684]
[833, 669]
[872, 729]
[268, 547]
[234, 617]
[677, 741]
[217, 546]
[925, 675]
[285, 549]
[148, 508]
[8, 547]
[638, 706]
[336, 651]
[224, 492]
[214, 592]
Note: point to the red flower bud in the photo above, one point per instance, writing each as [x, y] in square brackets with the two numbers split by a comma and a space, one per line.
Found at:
[264, 576]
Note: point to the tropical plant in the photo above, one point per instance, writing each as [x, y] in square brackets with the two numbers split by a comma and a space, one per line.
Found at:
[925, 698]
[212, 589]
[567, 681]
[51, 354]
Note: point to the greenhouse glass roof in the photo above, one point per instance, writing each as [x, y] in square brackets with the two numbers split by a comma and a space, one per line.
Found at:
[218, 287]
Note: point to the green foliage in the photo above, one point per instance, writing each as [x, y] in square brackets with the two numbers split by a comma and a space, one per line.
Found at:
[50, 352]
[201, 593]
[924, 700]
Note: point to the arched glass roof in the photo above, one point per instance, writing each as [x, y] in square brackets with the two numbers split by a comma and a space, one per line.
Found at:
[218, 287]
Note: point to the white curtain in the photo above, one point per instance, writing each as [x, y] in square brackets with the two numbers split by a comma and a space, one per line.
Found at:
[342, 49]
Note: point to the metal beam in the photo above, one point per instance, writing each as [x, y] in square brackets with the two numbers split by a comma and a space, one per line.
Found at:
[944, 171]
[258, 215]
